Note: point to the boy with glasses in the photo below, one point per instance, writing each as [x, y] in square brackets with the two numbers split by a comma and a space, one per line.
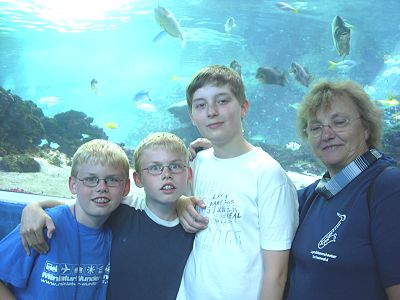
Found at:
[150, 247]
[78, 263]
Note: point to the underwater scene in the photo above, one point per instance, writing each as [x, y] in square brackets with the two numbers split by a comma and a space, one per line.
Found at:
[72, 71]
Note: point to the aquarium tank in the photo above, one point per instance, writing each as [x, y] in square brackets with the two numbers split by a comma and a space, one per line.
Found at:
[72, 71]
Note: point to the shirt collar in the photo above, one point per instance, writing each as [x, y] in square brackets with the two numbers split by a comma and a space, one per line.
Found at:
[329, 187]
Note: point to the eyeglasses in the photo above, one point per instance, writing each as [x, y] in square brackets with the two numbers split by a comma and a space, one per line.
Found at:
[110, 181]
[337, 124]
[174, 168]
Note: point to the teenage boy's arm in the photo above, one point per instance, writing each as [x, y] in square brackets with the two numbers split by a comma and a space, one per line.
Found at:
[198, 145]
[33, 220]
[275, 274]
[189, 218]
[5, 293]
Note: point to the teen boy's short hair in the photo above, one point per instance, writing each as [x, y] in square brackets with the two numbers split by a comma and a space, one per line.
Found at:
[164, 140]
[101, 152]
[217, 75]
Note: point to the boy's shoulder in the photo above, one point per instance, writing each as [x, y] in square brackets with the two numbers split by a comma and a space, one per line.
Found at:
[59, 211]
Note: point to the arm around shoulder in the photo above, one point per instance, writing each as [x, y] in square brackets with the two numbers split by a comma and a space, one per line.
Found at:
[33, 220]
[5, 293]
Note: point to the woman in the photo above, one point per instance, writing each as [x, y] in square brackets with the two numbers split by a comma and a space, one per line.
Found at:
[347, 245]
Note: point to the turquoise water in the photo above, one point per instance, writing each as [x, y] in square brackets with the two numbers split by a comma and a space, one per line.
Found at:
[50, 51]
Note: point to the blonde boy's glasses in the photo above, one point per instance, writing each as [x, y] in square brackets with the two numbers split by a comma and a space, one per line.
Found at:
[110, 181]
[337, 124]
[174, 168]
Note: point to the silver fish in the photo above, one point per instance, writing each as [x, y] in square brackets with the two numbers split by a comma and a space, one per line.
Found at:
[169, 23]
[236, 66]
[269, 75]
[341, 32]
[301, 74]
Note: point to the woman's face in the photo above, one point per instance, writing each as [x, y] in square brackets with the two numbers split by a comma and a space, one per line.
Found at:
[338, 145]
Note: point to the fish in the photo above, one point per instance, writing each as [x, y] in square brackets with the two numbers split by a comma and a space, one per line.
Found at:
[147, 107]
[94, 87]
[142, 95]
[175, 77]
[346, 64]
[111, 125]
[168, 22]
[257, 138]
[341, 32]
[272, 76]
[295, 105]
[301, 74]
[160, 37]
[287, 7]
[236, 66]
[229, 25]
[388, 102]
[49, 100]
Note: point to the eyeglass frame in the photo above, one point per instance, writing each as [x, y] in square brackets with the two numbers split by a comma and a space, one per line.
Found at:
[163, 167]
[338, 129]
[106, 181]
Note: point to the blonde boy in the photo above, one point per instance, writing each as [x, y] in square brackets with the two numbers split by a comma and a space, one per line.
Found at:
[78, 263]
[150, 248]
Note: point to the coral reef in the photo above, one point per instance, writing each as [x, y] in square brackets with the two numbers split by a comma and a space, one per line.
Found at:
[23, 127]
[71, 129]
[21, 163]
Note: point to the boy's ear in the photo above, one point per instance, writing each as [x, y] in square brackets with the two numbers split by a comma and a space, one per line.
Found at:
[72, 185]
[136, 178]
[245, 108]
[190, 174]
[127, 187]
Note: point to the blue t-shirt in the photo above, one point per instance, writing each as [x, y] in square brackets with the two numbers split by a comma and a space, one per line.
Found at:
[148, 255]
[76, 267]
[344, 249]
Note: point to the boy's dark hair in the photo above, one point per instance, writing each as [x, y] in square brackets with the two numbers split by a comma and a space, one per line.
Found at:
[217, 75]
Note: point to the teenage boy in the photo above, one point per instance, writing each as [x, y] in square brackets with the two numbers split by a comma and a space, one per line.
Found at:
[149, 247]
[251, 204]
[78, 263]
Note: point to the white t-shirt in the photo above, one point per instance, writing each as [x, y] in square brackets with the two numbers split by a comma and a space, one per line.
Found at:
[251, 205]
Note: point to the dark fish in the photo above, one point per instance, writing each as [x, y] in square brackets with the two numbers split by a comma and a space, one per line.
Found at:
[341, 32]
[272, 76]
[236, 66]
[94, 86]
[301, 74]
